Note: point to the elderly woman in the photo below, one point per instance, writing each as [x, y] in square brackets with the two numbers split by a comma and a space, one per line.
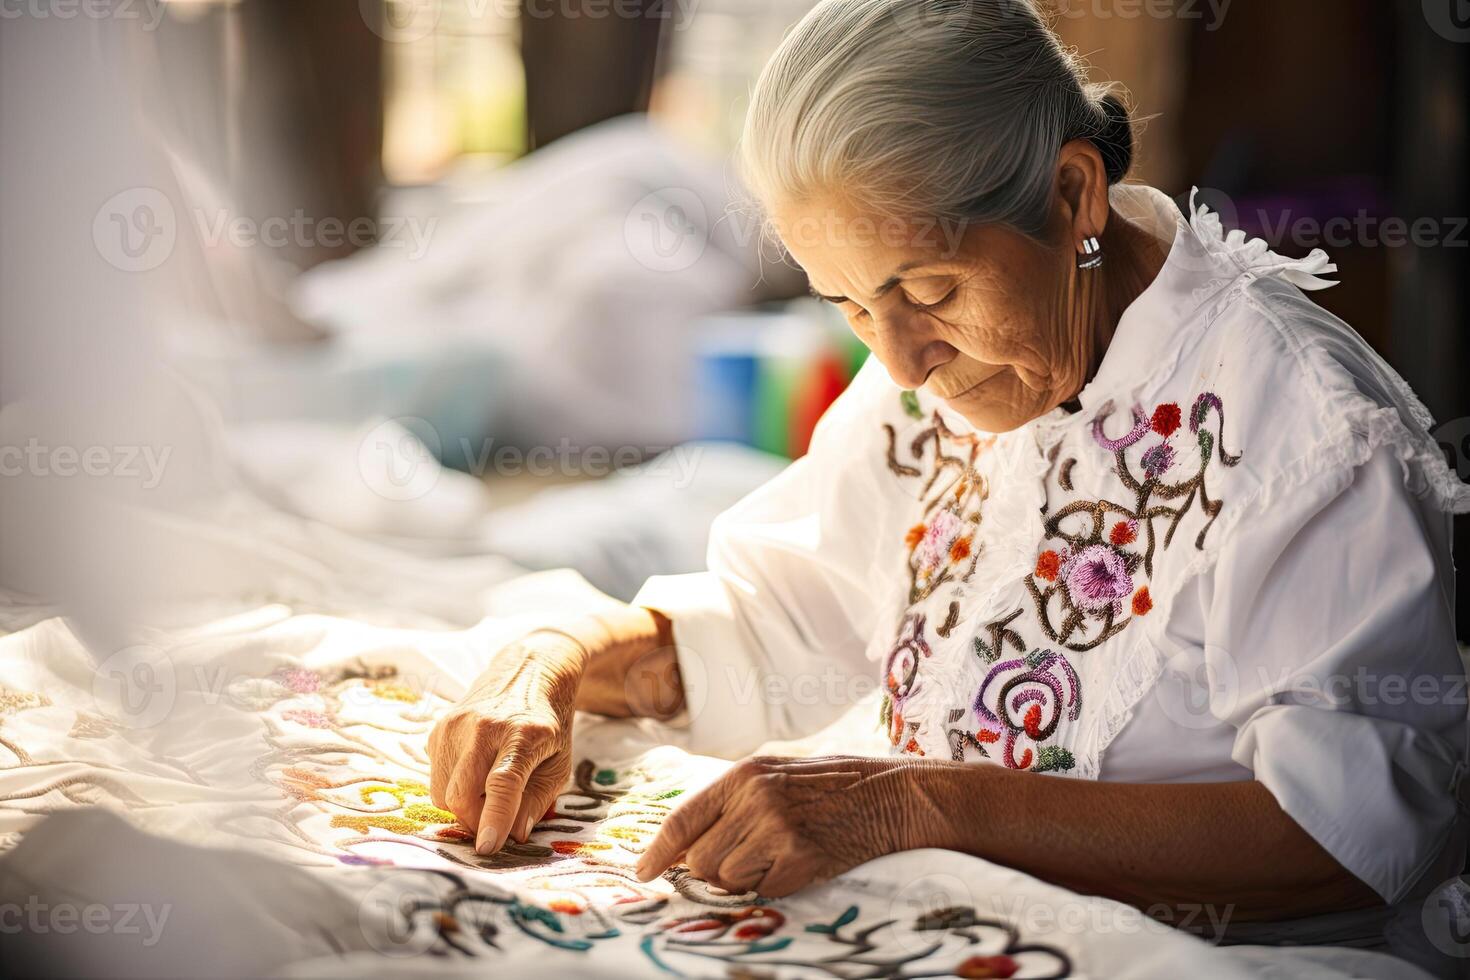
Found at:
[1147, 555]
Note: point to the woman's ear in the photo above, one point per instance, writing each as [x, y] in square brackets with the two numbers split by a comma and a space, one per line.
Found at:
[1082, 184]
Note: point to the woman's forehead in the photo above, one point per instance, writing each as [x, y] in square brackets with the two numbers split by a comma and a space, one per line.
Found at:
[845, 249]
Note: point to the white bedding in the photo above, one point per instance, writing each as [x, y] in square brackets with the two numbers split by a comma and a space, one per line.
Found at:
[299, 739]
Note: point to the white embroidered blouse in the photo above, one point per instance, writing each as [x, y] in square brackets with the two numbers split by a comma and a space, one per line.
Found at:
[1232, 563]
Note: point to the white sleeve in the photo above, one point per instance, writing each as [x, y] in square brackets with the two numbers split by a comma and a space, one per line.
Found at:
[771, 640]
[1330, 638]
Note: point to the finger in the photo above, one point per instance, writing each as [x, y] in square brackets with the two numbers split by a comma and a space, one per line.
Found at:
[683, 827]
[822, 782]
[463, 795]
[542, 789]
[705, 855]
[440, 770]
[787, 873]
[743, 866]
[504, 786]
[835, 763]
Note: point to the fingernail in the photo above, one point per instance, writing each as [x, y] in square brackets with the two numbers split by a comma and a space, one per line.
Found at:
[482, 844]
[527, 827]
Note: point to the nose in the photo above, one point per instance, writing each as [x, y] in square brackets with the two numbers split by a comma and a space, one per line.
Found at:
[908, 350]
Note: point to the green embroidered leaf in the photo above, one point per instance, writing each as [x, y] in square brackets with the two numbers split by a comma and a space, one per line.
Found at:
[983, 651]
[885, 712]
[1051, 758]
[669, 795]
[850, 913]
[534, 913]
[1035, 657]
[605, 777]
[910, 402]
[1206, 445]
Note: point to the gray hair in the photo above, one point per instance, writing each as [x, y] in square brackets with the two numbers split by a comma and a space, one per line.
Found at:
[950, 109]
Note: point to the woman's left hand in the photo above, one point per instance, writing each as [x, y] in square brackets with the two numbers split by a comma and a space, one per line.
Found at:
[774, 825]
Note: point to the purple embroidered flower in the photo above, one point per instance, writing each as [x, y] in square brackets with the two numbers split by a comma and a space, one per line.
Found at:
[1157, 460]
[298, 680]
[1096, 578]
[1139, 430]
[940, 536]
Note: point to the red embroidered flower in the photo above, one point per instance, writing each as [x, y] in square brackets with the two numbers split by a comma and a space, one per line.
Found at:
[1166, 418]
[913, 747]
[915, 535]
[564, 906]
[1124, 533]
[1033, 721]
[987, 736]
[987, 967]
[1142, 602]
[960, 550]
[1048, 565]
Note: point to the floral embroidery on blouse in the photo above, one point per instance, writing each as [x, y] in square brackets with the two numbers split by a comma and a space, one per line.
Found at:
[1090, 580]
[942, 547]
[1089, 585]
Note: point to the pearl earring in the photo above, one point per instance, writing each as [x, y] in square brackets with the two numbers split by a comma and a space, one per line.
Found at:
[1092, 256]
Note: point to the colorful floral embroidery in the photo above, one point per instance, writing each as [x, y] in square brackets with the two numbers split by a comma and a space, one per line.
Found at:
[1091, 576]
[1082, 603]
[1021, 701]
[1096, 578]
[942, 546]
[1166, 419]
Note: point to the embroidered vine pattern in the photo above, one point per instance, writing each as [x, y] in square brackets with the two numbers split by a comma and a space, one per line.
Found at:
[1086, 590]
[941, 547]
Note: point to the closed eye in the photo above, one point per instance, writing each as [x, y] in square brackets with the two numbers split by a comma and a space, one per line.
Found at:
[847, 306]
[936, 304]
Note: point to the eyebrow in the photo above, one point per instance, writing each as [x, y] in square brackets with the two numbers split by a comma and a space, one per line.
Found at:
[887, 285]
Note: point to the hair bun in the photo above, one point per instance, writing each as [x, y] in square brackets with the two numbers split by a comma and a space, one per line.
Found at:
[1114, 139]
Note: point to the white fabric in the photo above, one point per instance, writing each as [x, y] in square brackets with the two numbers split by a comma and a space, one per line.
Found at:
[269, 759]
[1277, 641]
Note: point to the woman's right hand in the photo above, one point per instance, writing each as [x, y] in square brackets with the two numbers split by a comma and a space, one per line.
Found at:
[500, 757]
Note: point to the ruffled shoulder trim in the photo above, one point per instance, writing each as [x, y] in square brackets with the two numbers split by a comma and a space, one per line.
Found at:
[1252, 255]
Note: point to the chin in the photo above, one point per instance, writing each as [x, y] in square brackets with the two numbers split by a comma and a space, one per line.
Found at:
[989, 413]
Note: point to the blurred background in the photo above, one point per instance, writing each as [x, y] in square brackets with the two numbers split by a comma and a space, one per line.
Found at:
[473, 281]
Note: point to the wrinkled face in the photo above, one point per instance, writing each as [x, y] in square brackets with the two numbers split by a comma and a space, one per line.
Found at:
[982, 316]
